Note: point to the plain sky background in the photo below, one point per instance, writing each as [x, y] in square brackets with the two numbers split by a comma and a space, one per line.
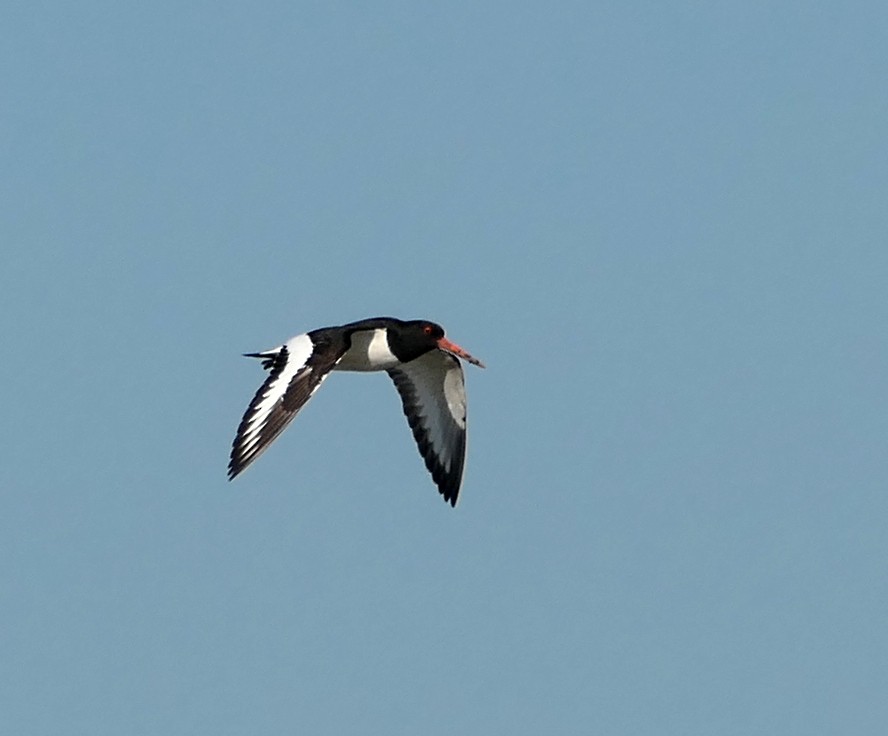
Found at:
[664, 228]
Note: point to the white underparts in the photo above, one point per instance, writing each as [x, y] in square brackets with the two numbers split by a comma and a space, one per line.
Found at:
[369, 351]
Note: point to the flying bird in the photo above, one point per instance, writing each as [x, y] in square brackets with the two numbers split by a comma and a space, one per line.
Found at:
[422, 362]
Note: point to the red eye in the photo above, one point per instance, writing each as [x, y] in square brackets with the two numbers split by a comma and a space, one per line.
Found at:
[427, 329]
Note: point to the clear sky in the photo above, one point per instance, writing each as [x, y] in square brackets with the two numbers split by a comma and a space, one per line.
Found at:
[662, 226]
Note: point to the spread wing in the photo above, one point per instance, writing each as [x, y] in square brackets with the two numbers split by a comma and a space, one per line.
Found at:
[297, 370]
[433, 393]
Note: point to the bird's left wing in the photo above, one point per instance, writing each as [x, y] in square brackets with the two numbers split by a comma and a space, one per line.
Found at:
[433, 393]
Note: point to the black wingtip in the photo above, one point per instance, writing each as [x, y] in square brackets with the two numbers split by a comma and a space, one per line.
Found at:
[448, 492]
[235, 465]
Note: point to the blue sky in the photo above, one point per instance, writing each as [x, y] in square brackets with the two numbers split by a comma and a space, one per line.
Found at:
[661, 226]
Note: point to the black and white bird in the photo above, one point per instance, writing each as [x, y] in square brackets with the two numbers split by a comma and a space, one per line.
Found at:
[422, 362]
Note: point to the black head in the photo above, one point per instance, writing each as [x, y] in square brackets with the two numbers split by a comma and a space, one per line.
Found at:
[410, 340]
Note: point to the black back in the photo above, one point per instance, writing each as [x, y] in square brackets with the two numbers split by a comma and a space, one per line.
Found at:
[407, 339]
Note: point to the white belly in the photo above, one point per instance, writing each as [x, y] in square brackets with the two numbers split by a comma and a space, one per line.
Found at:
[369, 351]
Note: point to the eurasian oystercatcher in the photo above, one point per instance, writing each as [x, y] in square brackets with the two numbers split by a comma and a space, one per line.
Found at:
[420, 360]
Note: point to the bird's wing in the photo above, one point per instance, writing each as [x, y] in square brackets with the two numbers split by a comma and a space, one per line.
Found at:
[433, 393]
[297, 369]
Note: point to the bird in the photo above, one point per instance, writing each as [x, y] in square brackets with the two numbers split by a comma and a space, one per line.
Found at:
[423, 364]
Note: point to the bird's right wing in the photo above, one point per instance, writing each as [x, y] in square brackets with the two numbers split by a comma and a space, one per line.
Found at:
[297, 370]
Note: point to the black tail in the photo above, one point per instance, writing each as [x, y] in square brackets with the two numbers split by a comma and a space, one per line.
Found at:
[269, 358]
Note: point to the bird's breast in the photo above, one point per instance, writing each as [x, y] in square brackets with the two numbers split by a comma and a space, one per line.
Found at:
[369, 351]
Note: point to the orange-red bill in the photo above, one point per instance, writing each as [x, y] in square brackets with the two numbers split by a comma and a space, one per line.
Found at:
[455, 349]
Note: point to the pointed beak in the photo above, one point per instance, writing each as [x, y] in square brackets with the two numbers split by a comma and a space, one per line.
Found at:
[454, 349]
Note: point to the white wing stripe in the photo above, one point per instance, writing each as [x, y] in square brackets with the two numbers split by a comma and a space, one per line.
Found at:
[299, 350]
